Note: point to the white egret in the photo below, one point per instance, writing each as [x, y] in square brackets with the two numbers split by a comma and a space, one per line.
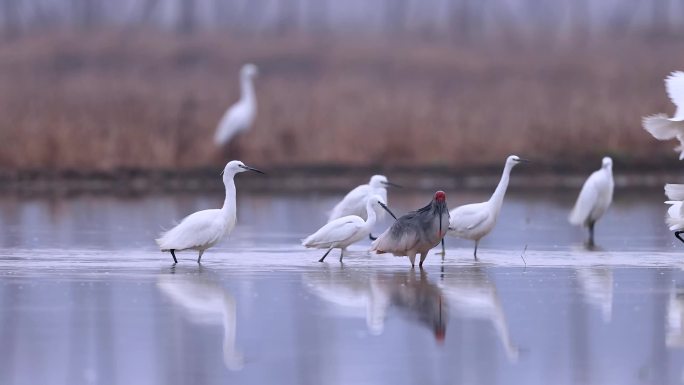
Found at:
[342, 232]
[354, 203]
[474, 221]
[203, 229]
[675, 214]
[664, 128]
[416, 232]
[594, 199]
[240, 116]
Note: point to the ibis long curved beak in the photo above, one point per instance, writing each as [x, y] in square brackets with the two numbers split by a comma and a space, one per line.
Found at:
[384, 206]
[252, 169]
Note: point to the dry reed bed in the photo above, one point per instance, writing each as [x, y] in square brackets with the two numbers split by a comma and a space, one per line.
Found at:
[149, 101]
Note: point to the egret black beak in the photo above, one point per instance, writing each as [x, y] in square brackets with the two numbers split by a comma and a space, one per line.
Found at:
[392, 184]
[523, 160]
[252, 169]
[384, 206]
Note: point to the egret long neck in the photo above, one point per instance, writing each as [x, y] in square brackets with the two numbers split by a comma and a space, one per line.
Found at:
[370, 212]
[247, 90]
[229, 203]
[497, 198]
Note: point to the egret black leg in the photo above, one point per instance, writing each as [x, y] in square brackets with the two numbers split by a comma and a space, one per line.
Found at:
[475, 252]
[372, 238]
[677, 235]
[173, 254]
[591, 233]
[341, 254]
[325, 255]
[200, 256]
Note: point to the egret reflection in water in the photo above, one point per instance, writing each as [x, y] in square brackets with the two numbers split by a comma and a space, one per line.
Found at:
[674, 324]
[205, 302]
[596, 286]
[471, 294]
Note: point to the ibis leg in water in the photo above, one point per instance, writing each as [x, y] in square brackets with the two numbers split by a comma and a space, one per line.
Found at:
[677, 235]
[325, 255]
[173, 254]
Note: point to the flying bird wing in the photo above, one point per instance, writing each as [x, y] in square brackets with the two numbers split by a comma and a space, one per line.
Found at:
[674, 191]
[675, 90]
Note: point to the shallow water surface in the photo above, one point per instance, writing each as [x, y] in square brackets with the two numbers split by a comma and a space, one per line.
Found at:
[85, 298]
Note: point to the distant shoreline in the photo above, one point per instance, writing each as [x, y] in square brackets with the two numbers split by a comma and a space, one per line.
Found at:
[131, 182]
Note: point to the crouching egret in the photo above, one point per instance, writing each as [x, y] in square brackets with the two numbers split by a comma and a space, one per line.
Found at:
[474, 221]
[354, 203]
[416, 232]
[675, 215]
[342, 232]
[203, 229]
[240, 116]
[594, 198]
[664, 128]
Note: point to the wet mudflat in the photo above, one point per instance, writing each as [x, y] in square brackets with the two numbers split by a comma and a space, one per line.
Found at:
[86, 298]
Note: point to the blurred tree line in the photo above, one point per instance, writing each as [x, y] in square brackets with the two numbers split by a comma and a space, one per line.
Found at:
[441, 20]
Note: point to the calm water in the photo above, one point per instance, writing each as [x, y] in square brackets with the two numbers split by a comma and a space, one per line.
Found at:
[85, 298]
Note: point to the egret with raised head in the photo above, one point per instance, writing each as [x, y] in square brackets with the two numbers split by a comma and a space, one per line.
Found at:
[240, 116]
[203, 229]
[476, 220]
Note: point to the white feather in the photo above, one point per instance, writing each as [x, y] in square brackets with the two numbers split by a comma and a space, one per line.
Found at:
[675, 90]
[664, 128]
[594, 198]
[240, 116]
[354, 203]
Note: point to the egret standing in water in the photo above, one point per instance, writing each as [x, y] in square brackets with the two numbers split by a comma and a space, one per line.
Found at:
[594, 199]
[203, 229]
[675, 214]
[474, 221]
[342, 232]
[354, 203]
[416, 232]
[664, 128]
[240, 116]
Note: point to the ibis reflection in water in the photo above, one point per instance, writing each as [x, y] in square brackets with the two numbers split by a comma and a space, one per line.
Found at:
[372, 296]
[205, 302]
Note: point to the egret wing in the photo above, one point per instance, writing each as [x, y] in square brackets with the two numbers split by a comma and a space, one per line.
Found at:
[354, 203]
[233, 121]
[675, 90]
[339, 230]
[195, 230]
[586, 200]
[661, 127]
[674, 191]
[468, 217]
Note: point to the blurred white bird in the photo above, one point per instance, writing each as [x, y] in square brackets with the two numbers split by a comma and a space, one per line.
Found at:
[206, 302]
[203, 229]
[240, 116]
[664, 128]
[594, 199]
[342, 232]
[675, 215]
[476, 220]
[354, 203]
